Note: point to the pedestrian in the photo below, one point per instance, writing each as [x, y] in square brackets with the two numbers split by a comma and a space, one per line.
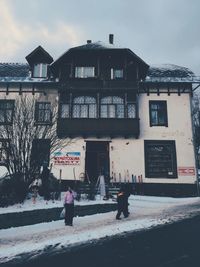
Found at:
[121, 204]
[45, 182]
[69, 206]
[126, 195]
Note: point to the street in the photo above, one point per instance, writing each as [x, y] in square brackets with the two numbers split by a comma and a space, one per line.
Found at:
[172, 245]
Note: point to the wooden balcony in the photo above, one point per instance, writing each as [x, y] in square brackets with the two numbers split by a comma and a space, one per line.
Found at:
[101, 127]
[97, 84]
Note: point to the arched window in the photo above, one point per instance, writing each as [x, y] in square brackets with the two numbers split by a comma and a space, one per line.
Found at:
[112, 107]
[84, 107]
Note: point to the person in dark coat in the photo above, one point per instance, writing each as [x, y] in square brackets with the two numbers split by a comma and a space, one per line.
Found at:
[45, 182]
[122, 206]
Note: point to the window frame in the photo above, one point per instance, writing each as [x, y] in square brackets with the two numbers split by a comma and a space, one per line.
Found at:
[113, 75]
[163, 109]
[164, 143]
[112, 105]
[37, 109]
[5, 109]
[84, 105]
[82, 70]
[40, 70]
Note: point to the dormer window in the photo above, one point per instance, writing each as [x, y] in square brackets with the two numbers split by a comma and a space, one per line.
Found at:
[84, 72]
[116, 74]
[40, 70]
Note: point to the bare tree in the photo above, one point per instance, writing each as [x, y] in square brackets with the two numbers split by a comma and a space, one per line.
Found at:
[19, 136]
[196, 122]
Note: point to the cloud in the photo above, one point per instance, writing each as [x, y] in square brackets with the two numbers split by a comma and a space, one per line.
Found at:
[16, 37]
[12, 34]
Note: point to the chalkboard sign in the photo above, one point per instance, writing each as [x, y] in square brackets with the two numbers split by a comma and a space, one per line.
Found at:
[160, 159]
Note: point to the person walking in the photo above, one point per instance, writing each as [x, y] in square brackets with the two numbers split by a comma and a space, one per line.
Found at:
[69, 206]
[121, 204]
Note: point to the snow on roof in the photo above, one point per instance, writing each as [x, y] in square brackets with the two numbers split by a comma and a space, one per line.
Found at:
[169, 72]
[17, 72]
[98, 45]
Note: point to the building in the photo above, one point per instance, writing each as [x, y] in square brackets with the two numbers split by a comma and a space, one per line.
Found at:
[126, 120]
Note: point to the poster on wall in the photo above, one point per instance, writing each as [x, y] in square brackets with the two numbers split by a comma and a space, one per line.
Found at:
[66, 158]
[187, 171]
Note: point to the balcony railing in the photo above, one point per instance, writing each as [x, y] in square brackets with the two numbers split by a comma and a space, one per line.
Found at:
[86, 127]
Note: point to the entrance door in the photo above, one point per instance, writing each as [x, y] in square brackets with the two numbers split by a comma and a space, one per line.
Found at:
[97, 159]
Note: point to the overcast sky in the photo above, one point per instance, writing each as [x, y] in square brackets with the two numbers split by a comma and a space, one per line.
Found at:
[158, 31]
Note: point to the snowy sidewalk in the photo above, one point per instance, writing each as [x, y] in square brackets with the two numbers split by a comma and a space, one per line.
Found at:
[145, 212]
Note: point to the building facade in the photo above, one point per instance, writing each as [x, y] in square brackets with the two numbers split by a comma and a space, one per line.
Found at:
[126, 120]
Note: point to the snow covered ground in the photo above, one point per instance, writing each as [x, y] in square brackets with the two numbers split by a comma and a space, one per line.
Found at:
[145, 212]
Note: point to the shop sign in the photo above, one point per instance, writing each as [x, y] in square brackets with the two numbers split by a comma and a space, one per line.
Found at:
[66, 158]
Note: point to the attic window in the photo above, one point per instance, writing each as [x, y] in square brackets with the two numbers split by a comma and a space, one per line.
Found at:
[40, 70]
[116, 74]
[84, 72]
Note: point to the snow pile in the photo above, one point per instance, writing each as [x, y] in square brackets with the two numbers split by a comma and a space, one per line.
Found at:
[145, 212]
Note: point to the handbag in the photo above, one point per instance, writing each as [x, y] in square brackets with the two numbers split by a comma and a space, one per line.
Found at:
[62, 214]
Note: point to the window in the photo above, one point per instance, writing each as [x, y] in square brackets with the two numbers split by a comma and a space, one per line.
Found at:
[6, 111]
[40, 152]
[158, 113]
[116, 74]
[43, 113]
[84, 72]
[112, 107]
[40, 70]
[160, 159]
[4, 151]
[84, 107]
[64, 111]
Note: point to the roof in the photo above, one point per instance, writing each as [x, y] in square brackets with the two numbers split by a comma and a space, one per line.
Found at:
[169, 72]
[39, 52]
[99, 46]
[16, 72]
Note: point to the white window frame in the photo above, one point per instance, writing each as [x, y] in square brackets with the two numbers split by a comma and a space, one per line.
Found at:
[112, 74]
[41, 75]
[80, 72]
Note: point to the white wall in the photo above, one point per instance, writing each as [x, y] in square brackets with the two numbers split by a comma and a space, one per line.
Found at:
[127, 155]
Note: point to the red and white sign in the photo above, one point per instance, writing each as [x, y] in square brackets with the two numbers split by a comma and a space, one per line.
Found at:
[186, 171]
[67, 158]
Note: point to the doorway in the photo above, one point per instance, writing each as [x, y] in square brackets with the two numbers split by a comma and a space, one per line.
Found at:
[97, 160]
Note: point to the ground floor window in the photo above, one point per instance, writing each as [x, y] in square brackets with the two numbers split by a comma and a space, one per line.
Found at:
[160, 159]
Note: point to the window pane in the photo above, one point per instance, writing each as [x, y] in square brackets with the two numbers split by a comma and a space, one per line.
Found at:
[118, 74]
[76, 111]
[92, 111]
[117, 100]
[131, 111]
[43, 70]
[2, 117]
[84, 72]
[104, 111]
[36, 70]
[79, 100]
[111, 109]
[78, 72]
[90, 100]
[88, 72]
[154, 117]
[64, 113]
[84, 111]
[106, 100]
[120, 111]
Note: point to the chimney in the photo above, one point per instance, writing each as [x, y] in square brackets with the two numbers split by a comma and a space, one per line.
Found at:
[111, 38]
[89, 41]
